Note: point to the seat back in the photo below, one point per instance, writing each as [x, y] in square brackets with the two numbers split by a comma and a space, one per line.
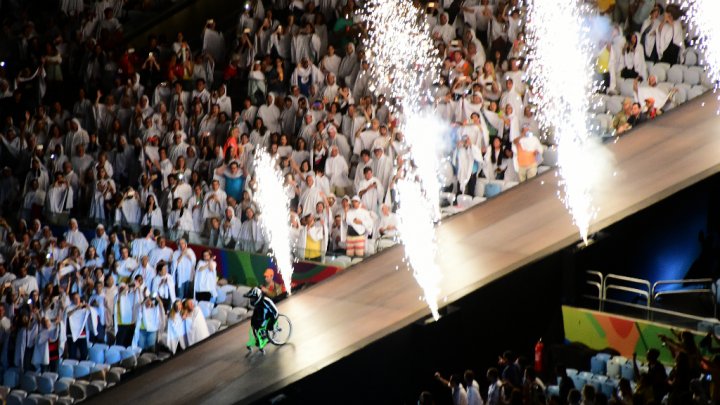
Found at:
[598, 365]
[626, 371]
[45, 385]
[112, 356]
[11, 378]
[627, 88]
[659, 70]
[28, 383]
[692, 75]
[213, 325]
[78, 392]
[14, 399]
[695, 92]
[96, 354]
[614, 104]
[613, 369]
[80, 371]
[492, 189]
[676, 73]
[66, 371]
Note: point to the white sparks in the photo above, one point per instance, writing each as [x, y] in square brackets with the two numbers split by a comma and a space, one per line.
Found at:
[274, 208]
[403, 59]
[418, 235]
[562, 56]
[424, 137]
[701, 17]
[403, 64]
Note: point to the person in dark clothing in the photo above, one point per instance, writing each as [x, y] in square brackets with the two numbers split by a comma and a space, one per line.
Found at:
[656, 373]
[511, 372]
[565, 383]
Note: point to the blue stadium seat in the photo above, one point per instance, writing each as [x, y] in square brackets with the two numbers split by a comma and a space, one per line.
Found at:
[80, 371]
[28, 382]
[46, 385]
[598, 365]
[11, 378]
[112, 356]
[96, 354]
[626, 371]
[65, 371]
[609, 387]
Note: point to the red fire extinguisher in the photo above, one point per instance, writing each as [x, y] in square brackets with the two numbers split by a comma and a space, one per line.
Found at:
[539, 346]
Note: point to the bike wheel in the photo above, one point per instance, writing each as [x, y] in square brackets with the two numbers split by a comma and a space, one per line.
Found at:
[280, 333]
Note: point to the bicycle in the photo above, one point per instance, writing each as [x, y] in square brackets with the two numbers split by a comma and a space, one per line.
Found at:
[281, 331]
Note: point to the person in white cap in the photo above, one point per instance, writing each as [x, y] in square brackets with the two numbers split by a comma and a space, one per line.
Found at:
[270, 114]
[59, 198]
[129, 213]
[359, 225]
[251, 237]
[100, 241]
[333, 138]
[76, 238]
[311, 195]
[336, 169]
[511, 96]
[213, 41]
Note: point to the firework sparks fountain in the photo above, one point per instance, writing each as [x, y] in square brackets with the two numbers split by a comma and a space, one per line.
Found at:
[561, 66]
[274, 219]
[403, 65]
[701, 17]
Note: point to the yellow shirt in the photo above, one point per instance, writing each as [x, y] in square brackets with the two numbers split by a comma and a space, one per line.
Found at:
[603, 61]
[312, 248]
[604, 5]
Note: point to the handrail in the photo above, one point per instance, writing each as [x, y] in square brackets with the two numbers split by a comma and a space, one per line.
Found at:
[680, 282]
[597, 284]
[709, 290]
[682, 292]
[661, 311]
[644, 283]
[650, 292]
[637, 291]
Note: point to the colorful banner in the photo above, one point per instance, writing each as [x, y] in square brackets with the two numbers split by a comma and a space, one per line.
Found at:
[599, 330]
[247, 268]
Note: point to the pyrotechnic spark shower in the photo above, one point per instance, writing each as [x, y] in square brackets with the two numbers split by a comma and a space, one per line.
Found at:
[274, 218]
[701, 16]
[418, 236]
[561, 71]
[403, 65]
[403, 59]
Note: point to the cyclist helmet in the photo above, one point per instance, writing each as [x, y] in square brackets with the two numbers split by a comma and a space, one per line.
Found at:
[255, 295]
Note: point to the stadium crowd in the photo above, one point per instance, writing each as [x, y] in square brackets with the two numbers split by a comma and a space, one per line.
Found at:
[154, 146]
[688, 380]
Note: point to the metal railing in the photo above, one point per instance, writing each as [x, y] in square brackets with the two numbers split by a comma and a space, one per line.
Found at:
[633, 289]
[706, 289]
[597, 285]
[608, 289]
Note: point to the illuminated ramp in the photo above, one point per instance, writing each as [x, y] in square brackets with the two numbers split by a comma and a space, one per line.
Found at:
[373, 299]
